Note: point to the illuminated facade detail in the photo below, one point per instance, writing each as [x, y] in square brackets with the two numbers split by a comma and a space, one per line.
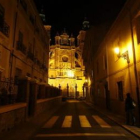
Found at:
[66, 65]
[115, 73]
[24, 43]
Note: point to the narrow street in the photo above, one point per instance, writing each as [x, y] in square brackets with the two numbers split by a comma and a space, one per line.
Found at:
[77, 120]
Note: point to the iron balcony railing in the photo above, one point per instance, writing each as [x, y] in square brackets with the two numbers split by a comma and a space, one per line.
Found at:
[8, 92]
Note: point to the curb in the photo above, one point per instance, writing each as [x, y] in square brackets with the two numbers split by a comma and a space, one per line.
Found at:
[123, 126]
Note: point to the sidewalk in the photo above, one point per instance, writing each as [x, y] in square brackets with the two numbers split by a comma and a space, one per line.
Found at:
[119, 120]
[28, 128]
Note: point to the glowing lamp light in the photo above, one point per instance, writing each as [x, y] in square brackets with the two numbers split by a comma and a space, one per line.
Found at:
[70, 73]
[117, 50]
[124, 55]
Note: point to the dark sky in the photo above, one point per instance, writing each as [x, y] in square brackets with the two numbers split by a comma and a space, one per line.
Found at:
[67, 14]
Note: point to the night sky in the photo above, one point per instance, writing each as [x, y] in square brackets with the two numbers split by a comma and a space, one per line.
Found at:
[67, 14]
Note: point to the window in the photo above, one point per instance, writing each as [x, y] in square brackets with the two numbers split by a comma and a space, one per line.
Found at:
[65, 40]
[20, 37]
[20, 46]
[2, 11]
[120, 90]
[28, 74]
[18, 74]
[4, 27]
[76, 55]
[24, 5]
[50, 54]
[60, 73]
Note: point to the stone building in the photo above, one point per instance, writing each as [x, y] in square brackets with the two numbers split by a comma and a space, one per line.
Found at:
[24, 43]
[66, 69]
[24, 55]
[113, 74]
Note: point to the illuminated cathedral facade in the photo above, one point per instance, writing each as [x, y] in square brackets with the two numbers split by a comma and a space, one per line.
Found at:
[66, 69]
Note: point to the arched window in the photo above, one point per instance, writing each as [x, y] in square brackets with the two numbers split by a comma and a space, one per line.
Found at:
[76, 55]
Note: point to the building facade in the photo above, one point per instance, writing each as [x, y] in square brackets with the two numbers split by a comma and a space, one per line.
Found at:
[24, 43]
[66, 69]
[24, 55]
[116, 73]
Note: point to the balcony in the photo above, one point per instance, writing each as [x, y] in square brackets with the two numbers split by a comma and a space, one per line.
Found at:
[4, 28]
[21, 47]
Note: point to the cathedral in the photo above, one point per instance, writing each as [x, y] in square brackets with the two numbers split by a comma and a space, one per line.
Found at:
[66, 70]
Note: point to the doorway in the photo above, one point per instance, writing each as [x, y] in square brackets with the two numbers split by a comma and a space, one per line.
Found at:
[107, 96]
[31, 101]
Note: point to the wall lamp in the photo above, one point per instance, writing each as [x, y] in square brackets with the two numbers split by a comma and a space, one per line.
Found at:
[124, 55]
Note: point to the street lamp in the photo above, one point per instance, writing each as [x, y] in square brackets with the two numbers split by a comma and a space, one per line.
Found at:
[124, 55]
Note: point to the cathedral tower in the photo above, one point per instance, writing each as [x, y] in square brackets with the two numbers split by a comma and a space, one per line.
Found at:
[66, 66]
